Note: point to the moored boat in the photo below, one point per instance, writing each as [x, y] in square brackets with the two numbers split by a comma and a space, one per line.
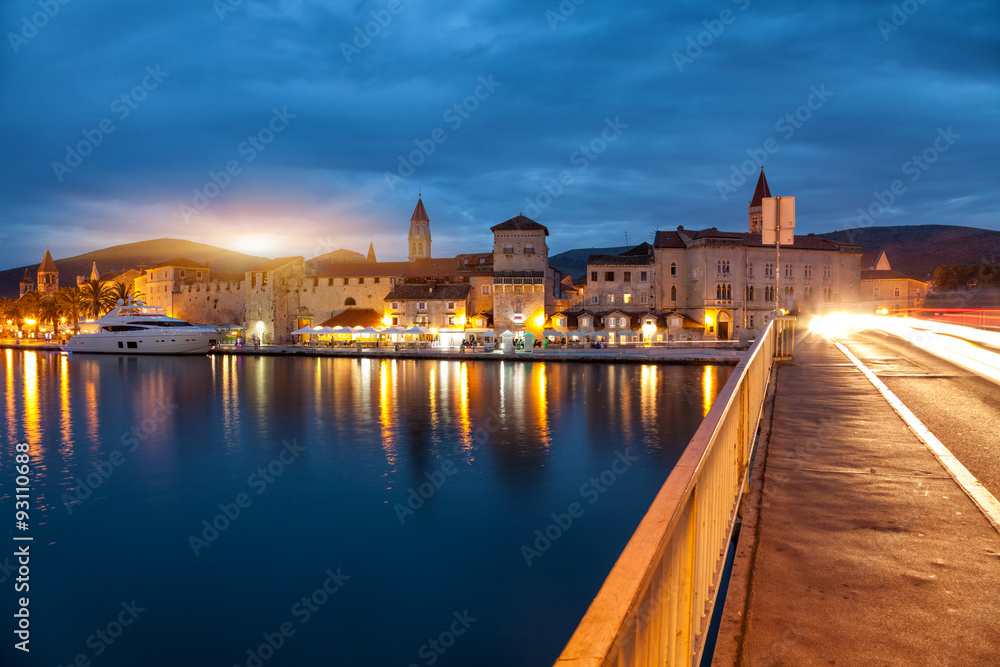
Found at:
[135, 328]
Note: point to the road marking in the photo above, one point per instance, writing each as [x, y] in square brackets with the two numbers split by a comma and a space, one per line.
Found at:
[985, 500]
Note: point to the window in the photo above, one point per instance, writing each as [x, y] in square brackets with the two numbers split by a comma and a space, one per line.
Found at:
[627, 298]
[750, 270]
[450, 305]
[673, 268]
[508, 249]
[751, 321]
[826, 271]
[529, 249]
[593, 299]
[486, 289]
[395, 305]
[789, 292]
[377, 280]
[627, 277]
[644, 276]
[828, 294]
[643, 298]
[875, 293]
[198, 275]
[349, 301]
[452, 320]
[517, 306]
[517, 289]
[789, 271]
[769, 293]
[722, 268]
[895, 292]
[182, 273]
[769, 270]
[593, 276]
[808, 271]
[263, 280]
[749, 292]
[560, 321]
[611, 298]
[361, 281]
[421, 305]
[395, 321]
[329, 282]
[673, 294]
[609, 276]
[724, 291]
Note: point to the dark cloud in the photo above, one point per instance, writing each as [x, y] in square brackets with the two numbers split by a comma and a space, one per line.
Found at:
[698, 91]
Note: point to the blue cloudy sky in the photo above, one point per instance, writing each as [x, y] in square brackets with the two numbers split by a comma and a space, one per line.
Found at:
[298, 127]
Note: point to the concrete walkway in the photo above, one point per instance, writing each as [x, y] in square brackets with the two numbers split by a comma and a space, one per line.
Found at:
[857, 547]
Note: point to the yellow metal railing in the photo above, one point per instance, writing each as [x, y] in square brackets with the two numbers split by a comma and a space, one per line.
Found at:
[656, 604]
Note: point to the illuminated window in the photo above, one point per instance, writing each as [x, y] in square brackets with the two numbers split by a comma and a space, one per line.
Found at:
[627, 298]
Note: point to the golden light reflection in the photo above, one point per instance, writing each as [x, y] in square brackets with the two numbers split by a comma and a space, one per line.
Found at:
[432, 386]
[10, 393]
[649, 389]
[230, 401]
[465, 424]
[542, 406]
[707, 389]
[32, 416]
[65, 414]
[386, 383]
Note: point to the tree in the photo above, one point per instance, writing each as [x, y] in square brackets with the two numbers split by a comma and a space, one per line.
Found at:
[70, 301]
[29, 307]
[49, 311]
[124, 292]
[8, 312]
[97, 297]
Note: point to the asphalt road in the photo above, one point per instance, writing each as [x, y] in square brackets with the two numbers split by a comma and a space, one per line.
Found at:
[959, 407]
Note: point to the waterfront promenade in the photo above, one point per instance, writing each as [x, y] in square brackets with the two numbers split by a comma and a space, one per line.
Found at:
[673, 355]
[857, 547]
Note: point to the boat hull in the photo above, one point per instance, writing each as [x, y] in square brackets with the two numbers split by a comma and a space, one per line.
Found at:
[146, 342]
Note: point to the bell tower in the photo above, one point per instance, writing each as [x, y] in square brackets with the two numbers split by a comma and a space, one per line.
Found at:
[754, 212]
[420, 233]
[48, 275]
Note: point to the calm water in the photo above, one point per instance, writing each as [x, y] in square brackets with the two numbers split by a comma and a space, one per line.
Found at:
[330, 459]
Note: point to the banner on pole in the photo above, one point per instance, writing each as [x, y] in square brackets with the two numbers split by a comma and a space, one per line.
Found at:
[778, 213]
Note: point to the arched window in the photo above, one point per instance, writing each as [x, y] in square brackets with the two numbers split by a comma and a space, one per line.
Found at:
[895, 292]
[875, 293]
[729, 292]
[349, 301]
[718, 292]
[517, 306]
[673, 294]
[673, 268]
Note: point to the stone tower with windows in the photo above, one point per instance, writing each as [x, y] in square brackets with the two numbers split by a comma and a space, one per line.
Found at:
[522, 279]
[26, 284]
[754, 212]
[420, 233]
[48, 275]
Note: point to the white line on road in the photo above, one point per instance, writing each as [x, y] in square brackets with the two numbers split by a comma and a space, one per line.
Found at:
[985, 500]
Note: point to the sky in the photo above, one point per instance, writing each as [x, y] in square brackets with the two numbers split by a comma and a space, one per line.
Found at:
[296, 128]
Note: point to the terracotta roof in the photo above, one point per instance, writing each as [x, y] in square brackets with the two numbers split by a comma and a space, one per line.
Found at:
[446, 292]
[753, 239]
[668, 240]
[472, 260]
[419, 214]
[182, 261]
[760, 191]
[271, 265]
[518, 223]
[686, 322]
[47, 264]
[884, 274]
[641, 249]
[363, 269]
[355, 317]
[434, 267]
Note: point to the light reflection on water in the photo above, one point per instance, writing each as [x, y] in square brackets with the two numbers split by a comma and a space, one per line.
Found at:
[521, 438]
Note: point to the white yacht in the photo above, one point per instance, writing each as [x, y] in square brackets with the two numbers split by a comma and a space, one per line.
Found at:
[135, 328]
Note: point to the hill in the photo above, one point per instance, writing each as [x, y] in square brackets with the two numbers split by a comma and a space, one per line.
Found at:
[319, 262]
[574, 262]
[917, 249]
[143, 254]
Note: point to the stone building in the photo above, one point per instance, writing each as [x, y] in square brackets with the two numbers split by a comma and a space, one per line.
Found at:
[272, 298]
[883, 289]
[522, 278]
[419, 240]
[160, 284]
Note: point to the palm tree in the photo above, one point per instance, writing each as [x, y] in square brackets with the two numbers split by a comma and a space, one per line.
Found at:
[97, 297]
[49, 311]
[29, 306]
[8, 311]
[124, 291]
[70, 301]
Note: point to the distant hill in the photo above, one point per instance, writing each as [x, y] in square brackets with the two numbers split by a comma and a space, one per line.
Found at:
[917, 249]
[319, 262]
[143, 254]
[574, 262]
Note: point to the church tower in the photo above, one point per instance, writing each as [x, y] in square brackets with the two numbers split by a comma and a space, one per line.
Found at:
[27, 284]
[420, 233]
[48, 275]
[754, 212]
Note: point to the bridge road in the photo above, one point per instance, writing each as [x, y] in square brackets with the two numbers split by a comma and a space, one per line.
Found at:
[858, 547]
